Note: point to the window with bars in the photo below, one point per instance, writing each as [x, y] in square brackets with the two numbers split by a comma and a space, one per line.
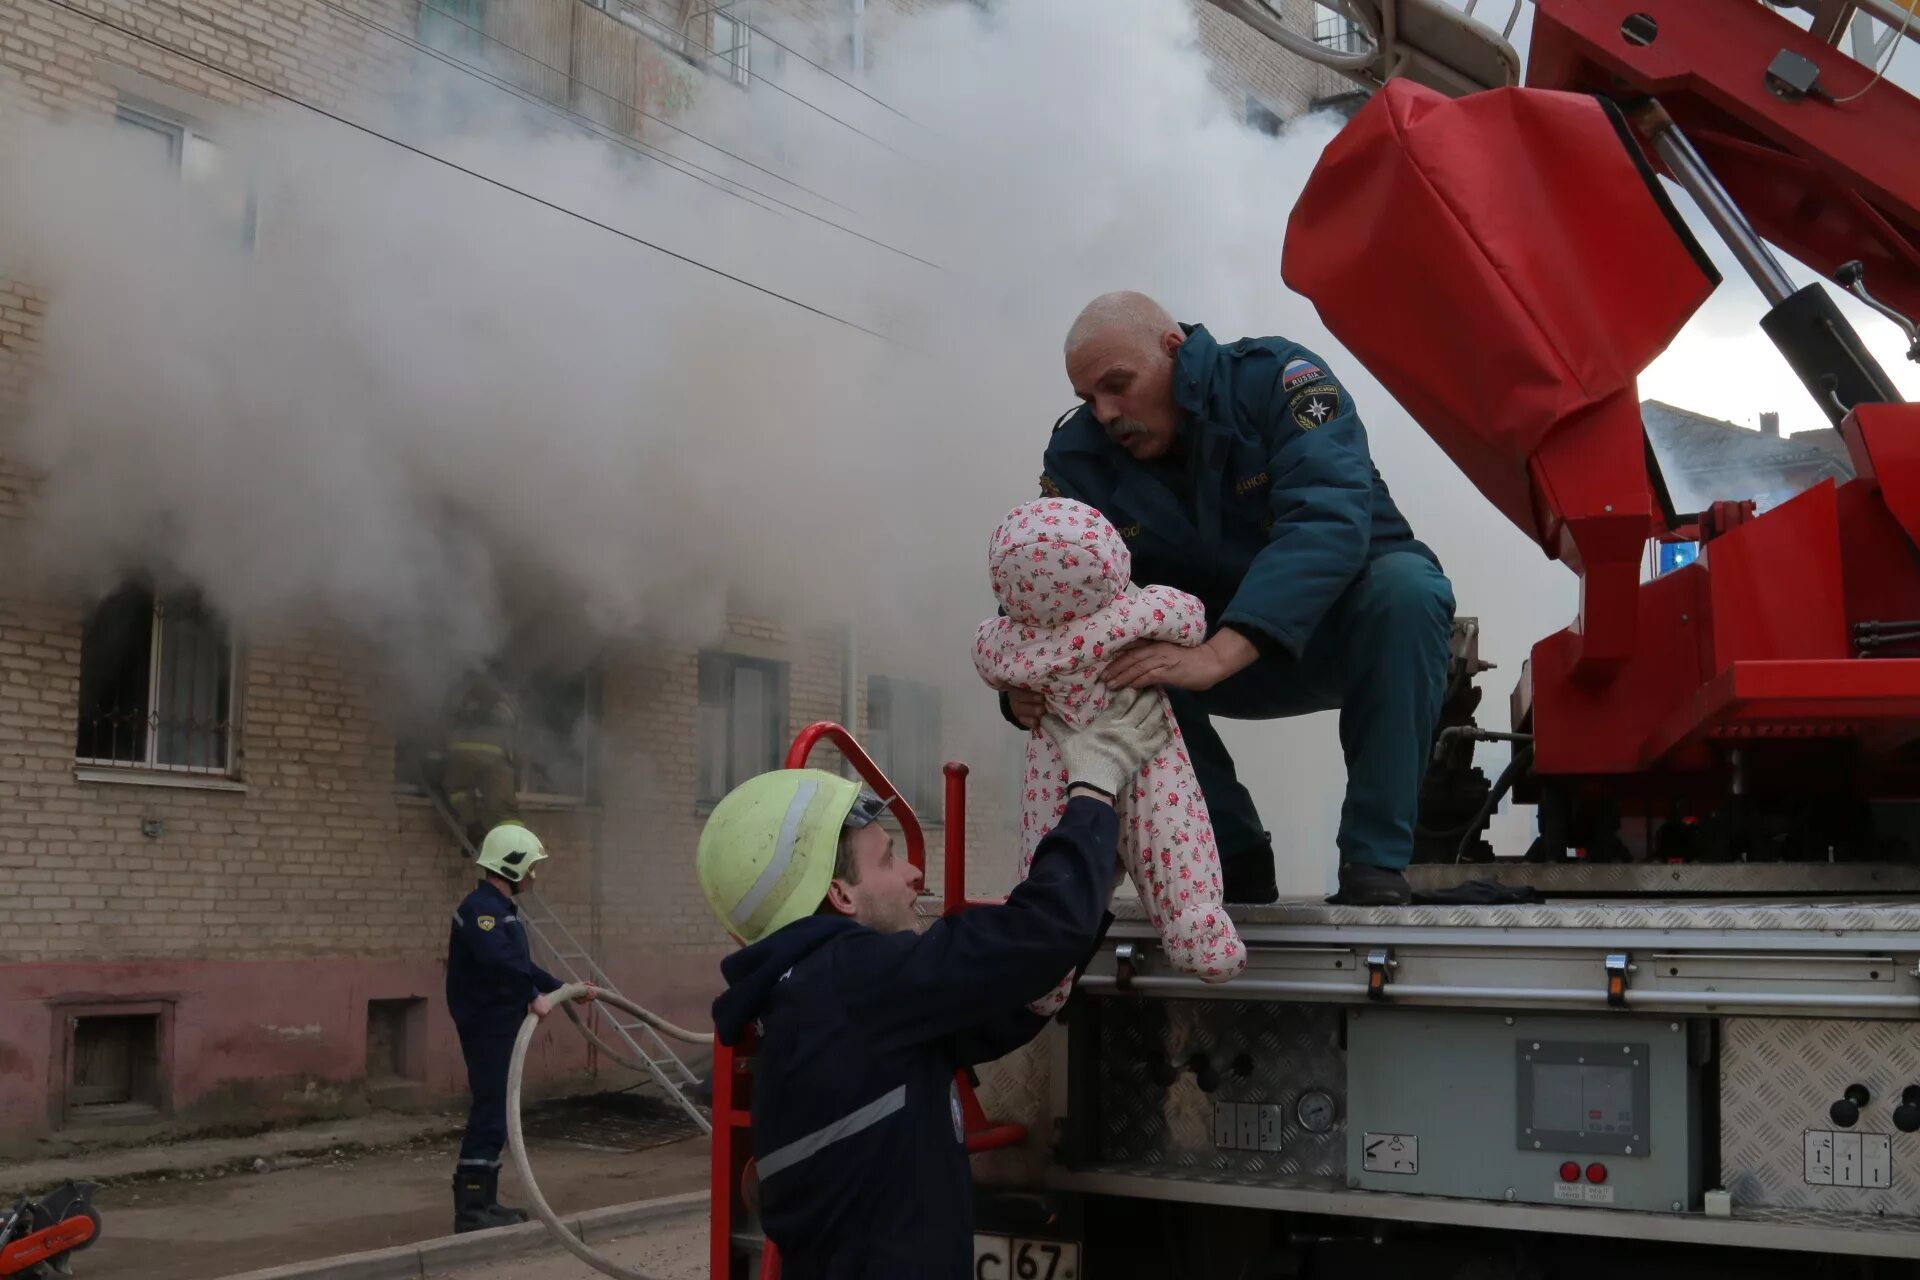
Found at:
[743, 721]
[903, 737]
[1336, 30]
[156, 685]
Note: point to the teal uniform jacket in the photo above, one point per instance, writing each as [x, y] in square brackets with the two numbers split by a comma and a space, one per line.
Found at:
[1269, 506]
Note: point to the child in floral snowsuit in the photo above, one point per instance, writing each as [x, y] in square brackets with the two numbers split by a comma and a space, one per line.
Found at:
[1062, 575]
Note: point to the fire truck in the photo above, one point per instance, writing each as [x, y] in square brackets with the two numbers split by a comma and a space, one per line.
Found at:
[1698, 1049]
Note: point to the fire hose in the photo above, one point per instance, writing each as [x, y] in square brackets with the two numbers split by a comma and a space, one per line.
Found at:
[516, 1143]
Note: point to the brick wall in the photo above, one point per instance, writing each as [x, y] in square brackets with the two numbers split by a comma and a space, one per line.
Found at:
[1247, 63]
[307, 884]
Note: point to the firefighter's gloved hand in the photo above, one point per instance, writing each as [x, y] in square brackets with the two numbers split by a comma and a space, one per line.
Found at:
[1110, 750]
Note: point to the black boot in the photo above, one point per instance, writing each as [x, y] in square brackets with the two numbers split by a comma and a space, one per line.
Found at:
[1246, 876]
[473, 1206]
[1362, 885]
[493, 1199]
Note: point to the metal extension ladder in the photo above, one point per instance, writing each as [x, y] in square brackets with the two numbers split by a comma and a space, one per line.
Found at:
[571, 962]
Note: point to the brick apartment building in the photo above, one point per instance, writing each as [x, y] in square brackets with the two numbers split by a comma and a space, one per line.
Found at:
[222, 902]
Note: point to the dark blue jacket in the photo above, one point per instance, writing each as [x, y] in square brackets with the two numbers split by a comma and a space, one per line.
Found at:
[856, 1119]
[491, 976]
[1270, 505]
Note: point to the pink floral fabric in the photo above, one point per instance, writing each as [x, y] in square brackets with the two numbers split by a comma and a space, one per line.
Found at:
[1061, 573]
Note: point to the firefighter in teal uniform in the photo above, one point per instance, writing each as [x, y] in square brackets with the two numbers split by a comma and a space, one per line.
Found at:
[1240, 473]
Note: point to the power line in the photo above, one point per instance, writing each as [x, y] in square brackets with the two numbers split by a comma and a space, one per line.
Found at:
[710, 51]
[634, 107]
[690, 170]
[638, 148]
[830, 74]
[235, 76]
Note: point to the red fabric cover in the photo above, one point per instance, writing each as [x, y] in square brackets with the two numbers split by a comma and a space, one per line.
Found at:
[1501, 265]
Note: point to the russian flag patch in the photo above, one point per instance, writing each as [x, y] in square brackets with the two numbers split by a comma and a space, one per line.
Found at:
[1298, 372]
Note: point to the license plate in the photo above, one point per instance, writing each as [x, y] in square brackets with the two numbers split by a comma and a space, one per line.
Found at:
[1011, 1258]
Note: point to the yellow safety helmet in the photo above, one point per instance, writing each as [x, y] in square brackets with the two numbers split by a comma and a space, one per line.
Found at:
[510, 850]
[767, 852]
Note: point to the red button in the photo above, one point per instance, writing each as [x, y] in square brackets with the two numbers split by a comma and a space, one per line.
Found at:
[1596, 1173]
[1569, 1172]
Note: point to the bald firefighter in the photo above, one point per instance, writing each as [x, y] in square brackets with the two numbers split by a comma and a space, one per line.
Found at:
[1240, 472]
[864, 1018]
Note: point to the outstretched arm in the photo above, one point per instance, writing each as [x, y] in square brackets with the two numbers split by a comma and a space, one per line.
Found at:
[967, 971]
[970, 969]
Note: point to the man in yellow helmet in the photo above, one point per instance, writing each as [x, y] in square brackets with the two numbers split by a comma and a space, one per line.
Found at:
[492, 982]
[482, 775]
[863, 1018]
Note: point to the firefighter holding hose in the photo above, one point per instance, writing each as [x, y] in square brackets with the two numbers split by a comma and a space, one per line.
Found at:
[864, 1018]
[492, 983]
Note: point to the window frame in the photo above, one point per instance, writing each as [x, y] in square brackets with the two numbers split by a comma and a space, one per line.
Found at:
[590, 713]
[926, 795]
[180, 128]
[780, 720]
[1336, 31]
[735, 61]
[460, 35]
[64, 1115]
[149, 763]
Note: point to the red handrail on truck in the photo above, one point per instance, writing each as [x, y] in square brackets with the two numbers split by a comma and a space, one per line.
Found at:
[732, 1066]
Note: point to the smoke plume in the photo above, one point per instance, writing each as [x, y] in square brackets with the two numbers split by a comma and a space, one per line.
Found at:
[435, 412]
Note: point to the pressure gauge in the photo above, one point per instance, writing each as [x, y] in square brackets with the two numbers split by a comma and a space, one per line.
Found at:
[1315, 1111]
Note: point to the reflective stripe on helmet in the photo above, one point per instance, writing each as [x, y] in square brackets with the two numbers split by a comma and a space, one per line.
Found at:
[776, 867]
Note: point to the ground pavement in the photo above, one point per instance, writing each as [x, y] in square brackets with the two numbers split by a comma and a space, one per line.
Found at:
[672, 1250]
[215, 1217]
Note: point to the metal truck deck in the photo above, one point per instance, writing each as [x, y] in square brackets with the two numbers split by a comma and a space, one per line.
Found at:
[1852, 957]
[1749, 1016]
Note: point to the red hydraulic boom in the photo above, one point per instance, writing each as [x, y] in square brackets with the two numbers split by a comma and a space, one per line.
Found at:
[1506, 263]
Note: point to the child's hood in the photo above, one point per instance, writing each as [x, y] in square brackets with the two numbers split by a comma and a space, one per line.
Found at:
[1054, 560]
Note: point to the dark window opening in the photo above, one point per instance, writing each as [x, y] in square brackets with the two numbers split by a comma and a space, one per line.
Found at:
[156, 684]
[1263, 117]
[395, 1040]
[556, 723]
[113, 1067]
[556, 729]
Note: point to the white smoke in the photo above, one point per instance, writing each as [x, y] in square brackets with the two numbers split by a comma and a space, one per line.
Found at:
[435, 412]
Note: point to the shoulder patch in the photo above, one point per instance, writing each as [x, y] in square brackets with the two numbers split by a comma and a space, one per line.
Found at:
[485, 923]
[1298, 373]
[1315, 405]
[1048, 489]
